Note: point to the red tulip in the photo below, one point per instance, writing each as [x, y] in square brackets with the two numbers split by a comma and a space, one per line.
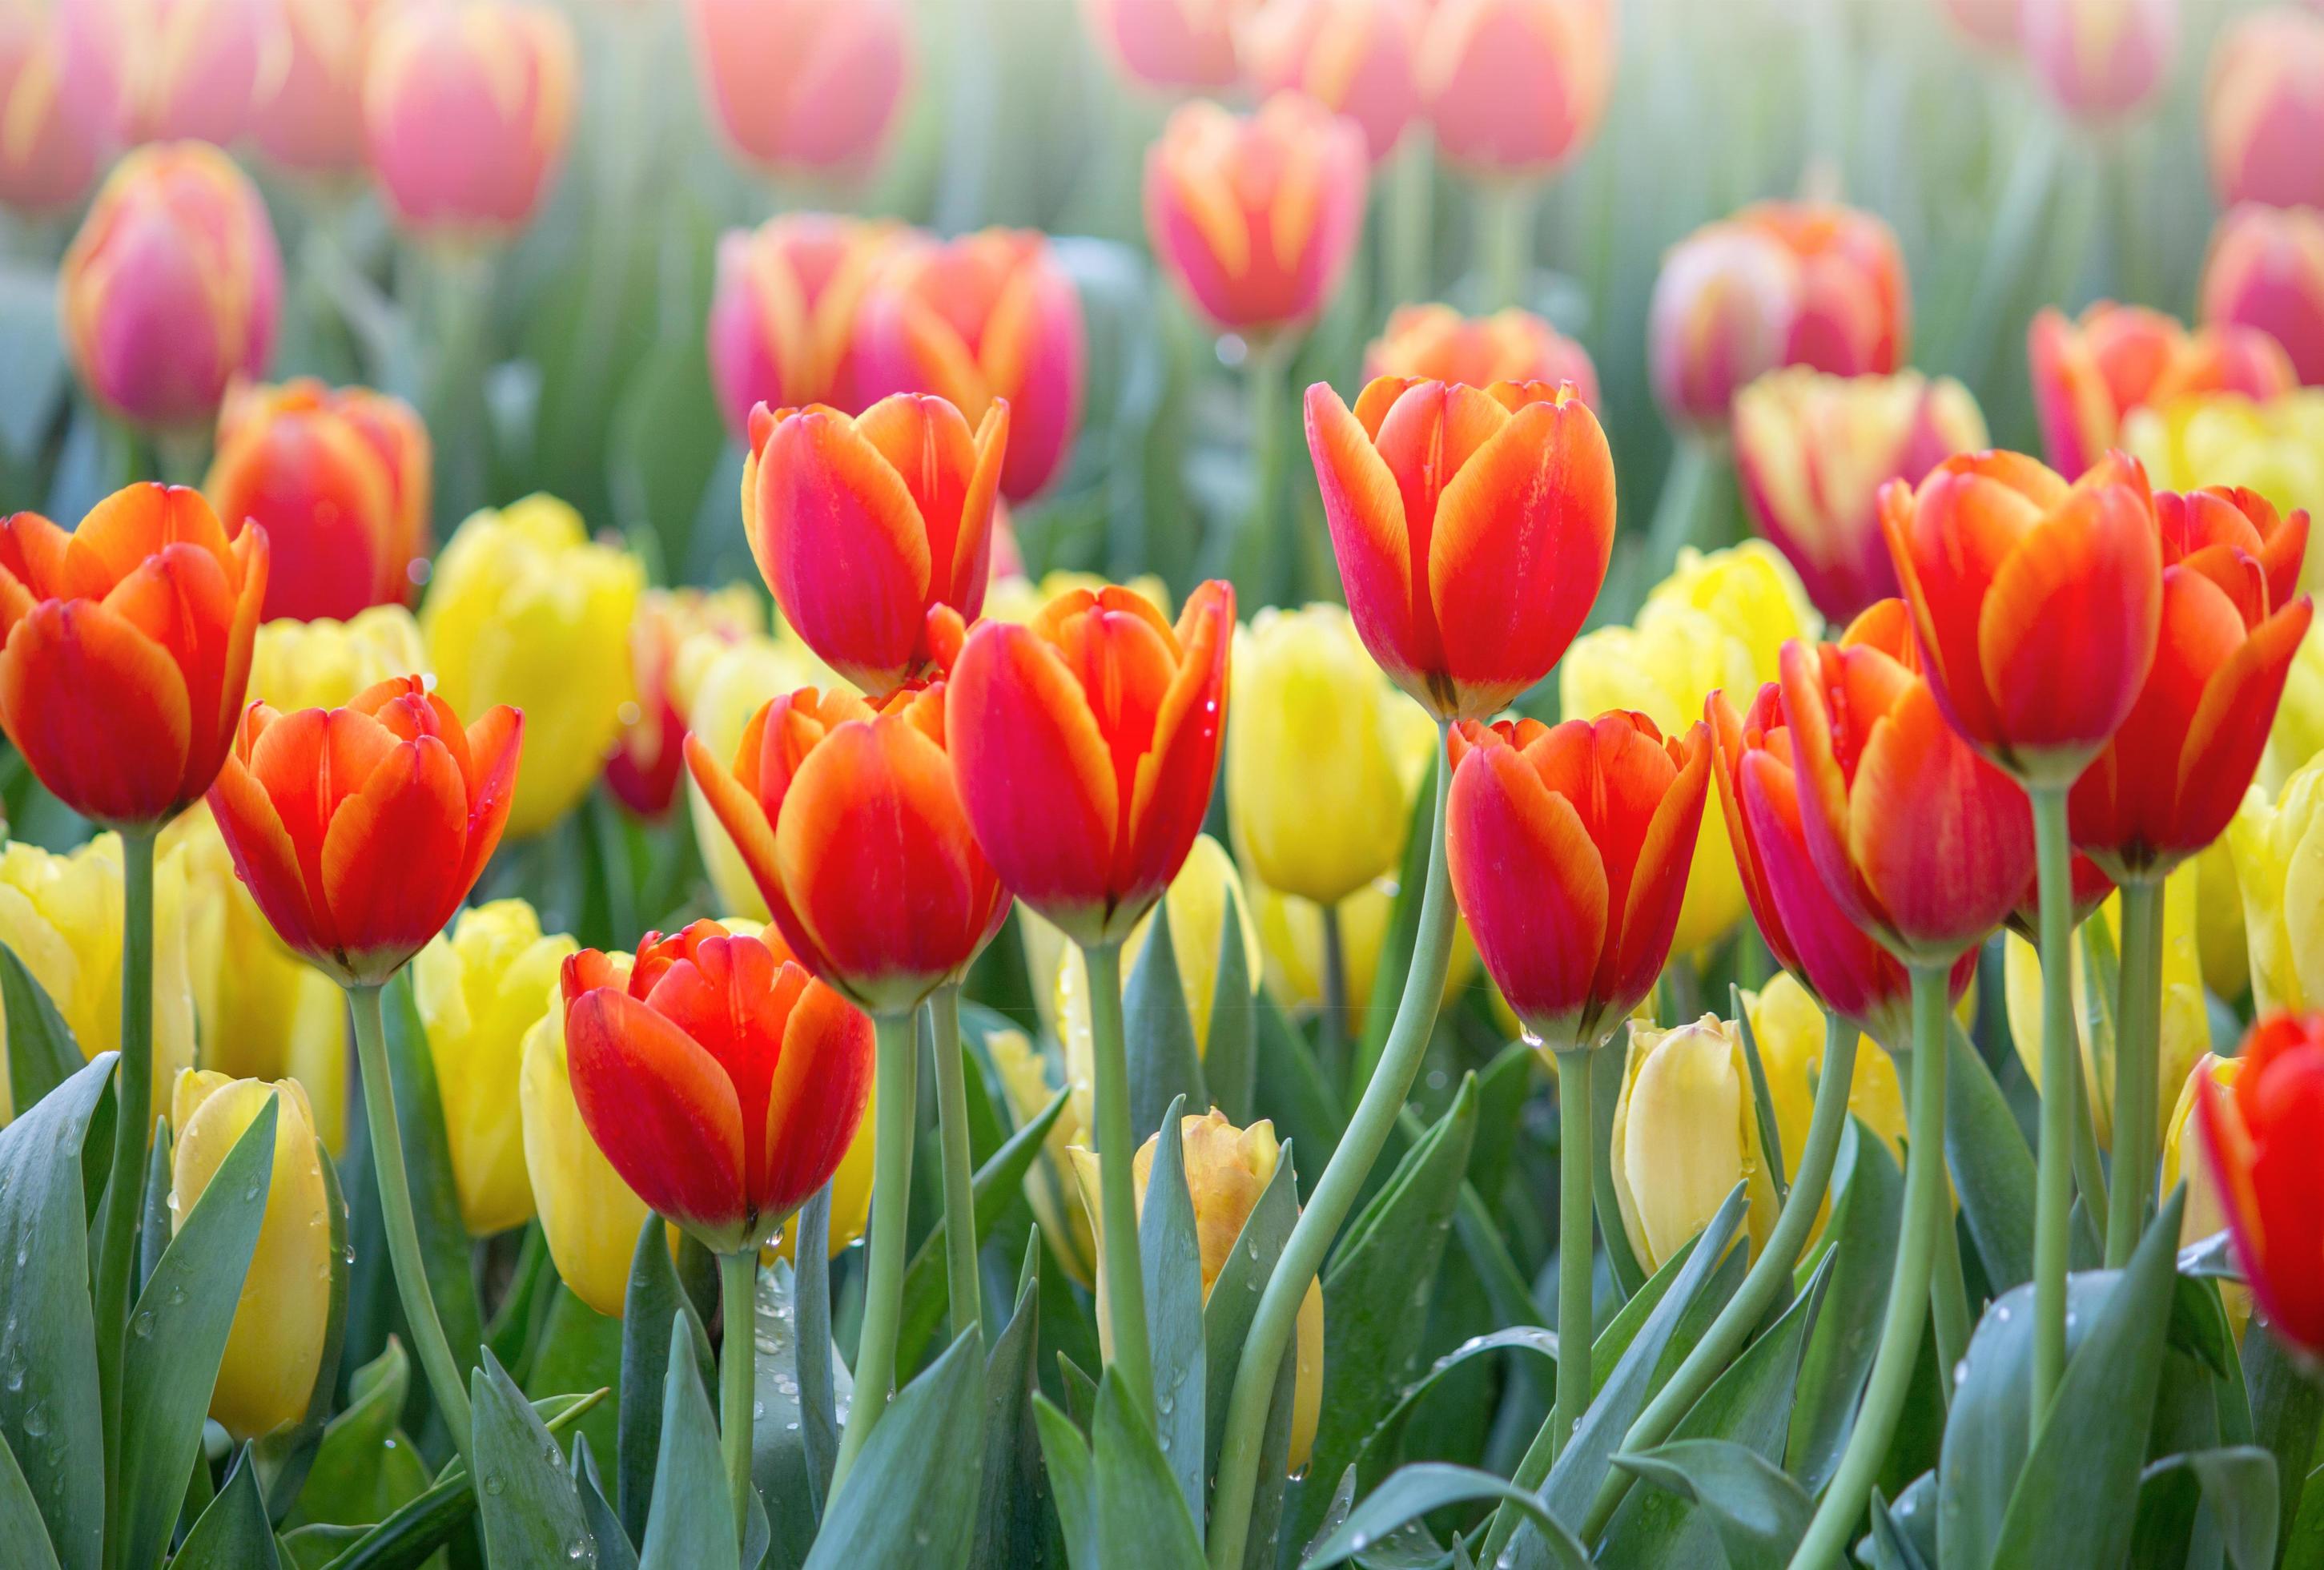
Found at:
[721, 1081]
[2089, 374]
[2037, 602]
[127, 650]
[2265, 269]
[1517, 86]
[1569, 847]
[1085, 742]
[803, 86]
[2264, 110]
[782, 313]
[2260, 1134]
[1356, 58]
[360, 830]
[1435, 343]
[1473, 527]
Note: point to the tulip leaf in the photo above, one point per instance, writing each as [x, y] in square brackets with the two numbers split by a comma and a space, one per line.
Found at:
[41, 1052]
[153, 1227]
[782, 1460]
[315, 1548]
[577, 1349]
[924, 1456]
[1289, 1090]
[1862, 1242]
[1171, 1256]
[1015, 1526]
[606, 1530]
[21, 1525]
[692, 1523]
[233, 1533]
[654, 1295]
[1229, 1064]
[1073, 1480]
[1141, 1520]
[2237, 1484]
[529, 1511]
[2285, 1405]
[176, 1338]
[285, 1459]
[1904, 1535]
[1760, 1513]
[1165, 1061]
[365, 1468]
[1992, 1169]
[1379, 1446]
[1413, 1492]
[1763, 1101]
[814, 1365]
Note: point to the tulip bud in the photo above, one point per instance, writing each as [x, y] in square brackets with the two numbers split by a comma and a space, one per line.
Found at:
[1254, 217]
[720, 689]
[466, 111]
[1051, 1187]
[1169, 43]
[801, 87]
[324, 664]
[1788, 1027]
[310, 117]
[644, 770]
[1357, 58]
[189, 69]
[2098, 60]
[1435, 343]
[1517, 86]
[2264, 110]
[1227, 1170]
[850, 1185]
[2265, 269]
[55, 122]
[782, 312]
[1685, 1132]
[523, 610]
[170, 290]
[2279, 860]
[2259, 1136]
[2275, 448]
[2187, 1157]
[283, 1319]
[590, 1216]
[2090, 374]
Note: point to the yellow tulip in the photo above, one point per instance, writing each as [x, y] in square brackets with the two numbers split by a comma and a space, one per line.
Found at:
[283, 1317]
[2186, 1020]
[1787, 1024]
[1049, 1182]
[589, 1216]
[2220, 920]
[1685, 1131]
[719, 686]
[524, 610]
[1227, 1170]
[1750, 590]
[323, 663]
[1291, 946]
[2185, 1156]
[1323, 755]
[2275, 448]
[480, 987]
[1015, 598]
[2279, 860]
[2298, 734]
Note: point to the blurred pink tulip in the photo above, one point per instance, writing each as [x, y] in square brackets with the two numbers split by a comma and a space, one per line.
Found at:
[310, 117]
[183, 70]
[1172, 44]
[2090, 373]
[2264, 110]
[1435, 343]
[2099, 60]
[1355, 56]
[2265, 269]
[1517, 86]
[803, 85]
[782, 312]
[55, 117]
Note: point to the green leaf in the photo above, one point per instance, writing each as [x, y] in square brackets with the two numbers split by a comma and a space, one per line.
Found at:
[1015, 1527]
[654, 1295]
[2285, 1405]
[49, 1414]
[577, 1349]
[1073, 1480]
[1234, 1296]
[1229, 1061]
[606, 1530]
[153, 1227]
[924, 1455]
[1894, 1544]
[692, 1525]
[780, 1465]
[1763, 1101]
[1379, 1446]
[284, 1458]
[21, 1525]
[177, 1335]
[1164, 1063]
[233, 1533]
[818, 1376]
[1861, 1239]
[365, 1469]
[1992, 1169]
[1081, 1390]
[1142, 1520]
[1760, 1513]
[315, 1547]
[2237, 1483]
[1171, 1255]
[530, 1512]
[41, 1052]
[1413, 1492]
[443, 1246]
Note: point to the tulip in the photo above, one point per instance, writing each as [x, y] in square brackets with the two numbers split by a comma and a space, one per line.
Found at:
[2265, 269]
[2090, 374]
[1254, 217]
[1787, 1025]
[1506, 496]
[169, 290]
[1168, 43]
[283, 1319]
[189, 70]
[1517, 86]
[467, 110]
[589, 1213]
[988, 318]
[720, 689]
[1685, 1132]
[2278, 856]
[2186, 1158]
[2259, 1134]
[323, 663]
[782, 312]
[1227, 1170]
[1357, 58]
[863, 527]
[309, 119]
[2100, 61]
[340, 479]
[2220, 920]
[850, 1190]
[127, 647]
[1435, 343]
[2264, 109]
[524, 611]
[643, 771]
[55, 128]
[800, 87]
[2275, 448]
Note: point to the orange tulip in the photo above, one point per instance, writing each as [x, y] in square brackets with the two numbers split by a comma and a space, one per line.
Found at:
[1569, 847]
[1356, 58]
[2171, 778]
[1255, 217]
[1169, 43]
[360, 830]
[2264, 110]
[127, 650]
[2265, 269]
[1435, 343]
[853, 827]
[56, 100]
[721, 1080]
[2259, 1134]
[803, 86]
[340, 478]
[1085, 742]
[2090, 373]
[1921, 841]
[862, 526]
[2098, 60]
[782, 313]
[310, 116]
[1473, 527]
[2035, 602]
[1517, 86]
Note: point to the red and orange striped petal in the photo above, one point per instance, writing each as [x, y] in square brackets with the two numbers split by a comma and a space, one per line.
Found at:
[1365, 512]
[39, 555]
[1655, 884]
[132, 524]
[814, 1101]
[745, 822]
[495, 743]
[391, 852]
[267, 862]
[99, 710]
[661, 1110]
[2223, 744]
[1172, 785]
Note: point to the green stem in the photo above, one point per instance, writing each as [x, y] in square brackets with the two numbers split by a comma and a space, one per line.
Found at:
[1688, 486]
[1332, 1019]
[1259, 566]
[967, 1296]
[1125, 1274]
[2138, 1040]
[1505, 241]
[897, 1092]
[1405, 217]
[1836, 1518]
[1335, 1195]
[386, 1130]
[1573, 1243]
[133, 1128]
[738, 1280]
[2053, 1184]
[2090, 1173]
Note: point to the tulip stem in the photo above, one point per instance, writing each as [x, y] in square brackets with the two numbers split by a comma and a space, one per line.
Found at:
[897, 1096]
[1842, 1507]
[125, 1187]
[1505, 241]
[1405, 218]
[967, 1296]
[395, 1184]
[738, 1281]
[1768, 1274]
[1574, 1070]
[2053, 1184]
[2136, 1044]
[1125, 1274]
[1332, 1025]
[1258, 563]
[1334, 1196]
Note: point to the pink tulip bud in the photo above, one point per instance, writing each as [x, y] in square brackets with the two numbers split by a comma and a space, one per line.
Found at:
[2100, 60]
[2266, 271]
[310, 116]
[1517, 86]
[184, 69]
[782, 313]
[1356, 58]
[2264, 110]
[1176, 45]
[803, 85]
[54, 125]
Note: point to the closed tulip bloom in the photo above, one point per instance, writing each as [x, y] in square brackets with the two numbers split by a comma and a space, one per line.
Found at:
[170, 288]
[309, 116]
[282, 1318]
[2036, 603]
[1813, 452]
[863, 526]
[359, 864]
[1357, 58]
[720, 689]
[1435, 343]
[1085, 744]
[1323, 754]
[2264, 109]
[466, 112]
[722, 1083]
[2090, 374]
[800, 87]
[1569, 847]
[1051, 1186]
[124, 650]
[2279, 861]
[1685, 1132]
[1169, 43]
[188, 69]
[2100, 61]
[589, 1213]
[1517, 86]
[851, 824]
[524, 610]
[1253, 217]
[56, 126]
[2265, 269]
[1472, 529]
[782, 312]
[1787, 1024]
[2260, 1137]
[323, 663]
[2275, 448]
[650, 758]
[340, 478]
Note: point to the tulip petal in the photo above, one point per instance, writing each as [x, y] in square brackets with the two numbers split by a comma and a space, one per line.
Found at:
[39, 555]
[75, 680]
[814, 1099]
[1171, 788]
[1654, 885]
[495, 743]
[390, 855]
[2230, 725]
[1529, 879]
[134, 523]
[1365, 510]
[659, 1107]
[267, 861]
[745, 822]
